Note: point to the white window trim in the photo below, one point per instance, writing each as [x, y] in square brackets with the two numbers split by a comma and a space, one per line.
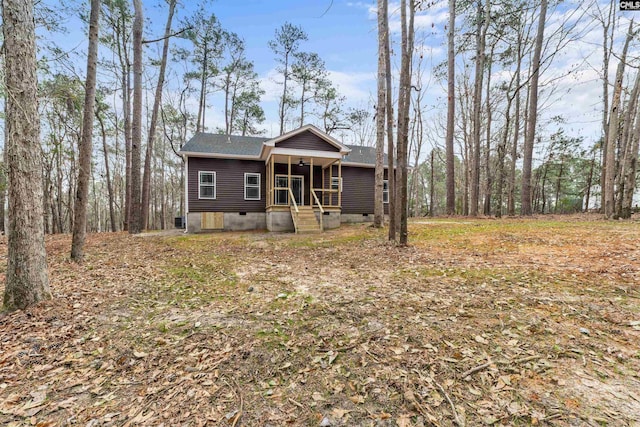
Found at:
[385, 191]
[340, 181]
[215, 185]
[246, 174]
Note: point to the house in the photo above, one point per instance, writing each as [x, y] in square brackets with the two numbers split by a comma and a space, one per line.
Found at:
[304, 180]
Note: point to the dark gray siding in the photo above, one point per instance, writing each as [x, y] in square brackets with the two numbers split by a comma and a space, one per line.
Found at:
[307, 141]
[358, 189]
[229, 185]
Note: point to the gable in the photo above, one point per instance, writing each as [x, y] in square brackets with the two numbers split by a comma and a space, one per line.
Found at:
[307, 140]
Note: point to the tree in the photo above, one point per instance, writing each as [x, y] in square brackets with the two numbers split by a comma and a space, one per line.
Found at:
[482, 24]
[86, 142]
[308, 71]
[533, 114]
[157, 100]
[614, 117]
[136, 123]
[241, 89]
[378, 209]
[404, 102]
[285, 45]
[451, 102]
[27, 280]
[206, 34]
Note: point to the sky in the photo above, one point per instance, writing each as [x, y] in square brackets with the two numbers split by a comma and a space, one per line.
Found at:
[344, 34]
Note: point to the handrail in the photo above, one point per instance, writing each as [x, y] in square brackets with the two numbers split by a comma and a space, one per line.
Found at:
[292, 199]
[315, 197]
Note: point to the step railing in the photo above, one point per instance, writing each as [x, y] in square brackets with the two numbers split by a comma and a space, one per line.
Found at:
[315, 197]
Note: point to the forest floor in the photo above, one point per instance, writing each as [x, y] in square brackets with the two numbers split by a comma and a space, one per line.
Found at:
[477, 322]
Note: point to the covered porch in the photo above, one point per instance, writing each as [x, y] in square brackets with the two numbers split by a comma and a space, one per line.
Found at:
[303, 192]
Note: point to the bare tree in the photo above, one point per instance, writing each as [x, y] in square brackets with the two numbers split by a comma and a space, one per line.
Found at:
[146, 177]
[378, 209]
[533, 114]
[612, 134]
[404, 101]
[27, 280]
[451, 102]
[136, 123]
[285, 45]
[86, 142]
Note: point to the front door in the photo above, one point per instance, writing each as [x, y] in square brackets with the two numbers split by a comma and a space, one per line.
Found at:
[297, 188]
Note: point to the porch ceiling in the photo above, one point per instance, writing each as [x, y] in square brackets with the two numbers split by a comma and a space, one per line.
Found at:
[295, 159]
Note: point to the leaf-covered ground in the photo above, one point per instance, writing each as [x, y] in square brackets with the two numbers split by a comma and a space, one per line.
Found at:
[510, 322]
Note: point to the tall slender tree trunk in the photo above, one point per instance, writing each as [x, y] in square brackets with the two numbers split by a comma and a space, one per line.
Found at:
[146, 177]
[533, 115]
[404, 100]
[607, 46]
[27, 280]
[631, 169]
[487, 161]
[136, 124]
[511, 203]
[378, 209]
[482, 25]
[451, 102]
[203, 90]
[107, 170]
[626, 150]
[86, 141]
[391, 170]
[610, 154]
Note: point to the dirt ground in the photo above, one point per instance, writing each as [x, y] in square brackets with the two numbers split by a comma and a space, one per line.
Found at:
[477, 322]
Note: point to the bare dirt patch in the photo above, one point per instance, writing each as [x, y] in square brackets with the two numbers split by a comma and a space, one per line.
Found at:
[476, 323]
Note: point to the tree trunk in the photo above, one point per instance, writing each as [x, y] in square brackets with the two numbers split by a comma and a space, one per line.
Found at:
[487, 165]
[146, 177]
[136, 125]
[450, 176]
[203, 89]
[631, 170]
[404, 100]
[27, 280]
[105, 152]
[610, 154]
[391, 171]
[86, 142]
[482, 25]
[607, 46]
[378, 209]
[533, 115]
[511, 203]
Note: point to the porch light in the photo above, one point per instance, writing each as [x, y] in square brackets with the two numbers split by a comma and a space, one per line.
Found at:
[301, 162]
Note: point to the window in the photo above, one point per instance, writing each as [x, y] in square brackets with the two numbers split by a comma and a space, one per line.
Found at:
[336, 183]
[252, 186]
[206, 185]
[385, 191]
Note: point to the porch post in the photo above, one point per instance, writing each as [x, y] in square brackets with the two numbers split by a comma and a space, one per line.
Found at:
[268, 184]
[289, 178]
[311, 182]
[331, 184]
[272, 177]
[323, 198]
[340, 183]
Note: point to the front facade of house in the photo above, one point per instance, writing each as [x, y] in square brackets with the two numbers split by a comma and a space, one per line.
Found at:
[288, 183]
